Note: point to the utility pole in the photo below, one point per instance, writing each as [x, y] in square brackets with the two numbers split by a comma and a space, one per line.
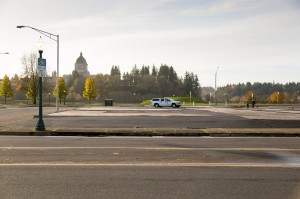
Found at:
[216, 85]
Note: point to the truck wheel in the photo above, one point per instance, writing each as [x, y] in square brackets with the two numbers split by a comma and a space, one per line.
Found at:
[174, 105]
[156, 105]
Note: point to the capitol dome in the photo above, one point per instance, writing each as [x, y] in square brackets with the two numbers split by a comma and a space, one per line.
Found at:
[81, 60]
[81, 66]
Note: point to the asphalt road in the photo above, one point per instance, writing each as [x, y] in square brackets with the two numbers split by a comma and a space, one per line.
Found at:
[157, 167]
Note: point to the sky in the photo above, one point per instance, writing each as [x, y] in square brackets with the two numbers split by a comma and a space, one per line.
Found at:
[249, 40]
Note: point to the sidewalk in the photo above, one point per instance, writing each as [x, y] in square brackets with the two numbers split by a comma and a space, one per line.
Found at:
[212, 132]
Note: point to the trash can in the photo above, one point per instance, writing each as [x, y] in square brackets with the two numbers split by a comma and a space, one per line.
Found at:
[108, 102]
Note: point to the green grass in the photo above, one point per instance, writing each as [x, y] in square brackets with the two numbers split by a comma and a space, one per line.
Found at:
[188, 100]
[146, 102]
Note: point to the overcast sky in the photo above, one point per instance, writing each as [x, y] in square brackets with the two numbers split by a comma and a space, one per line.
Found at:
[249, 40]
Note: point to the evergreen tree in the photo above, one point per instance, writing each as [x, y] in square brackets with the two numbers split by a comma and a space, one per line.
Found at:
[135, 71]
[145, 70]
[154, 71]
[115, 71]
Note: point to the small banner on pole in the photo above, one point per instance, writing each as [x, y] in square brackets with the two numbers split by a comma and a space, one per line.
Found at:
[42, 67]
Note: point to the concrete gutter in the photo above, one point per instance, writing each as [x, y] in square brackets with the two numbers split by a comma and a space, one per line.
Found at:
[177, 132]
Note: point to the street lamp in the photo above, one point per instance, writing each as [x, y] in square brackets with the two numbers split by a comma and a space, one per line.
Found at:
[297, 96]
[64, 97]
[216, 84]
[6, 53]
[40, 126]
[49, 98]
[278, 97]
[50, 35]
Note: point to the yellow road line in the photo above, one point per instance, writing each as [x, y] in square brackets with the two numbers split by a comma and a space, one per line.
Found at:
[249, 165]
[152, 148]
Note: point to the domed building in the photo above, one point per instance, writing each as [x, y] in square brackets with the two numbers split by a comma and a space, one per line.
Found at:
[81, 66]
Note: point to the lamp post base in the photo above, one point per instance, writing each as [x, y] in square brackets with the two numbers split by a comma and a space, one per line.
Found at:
[40, 126]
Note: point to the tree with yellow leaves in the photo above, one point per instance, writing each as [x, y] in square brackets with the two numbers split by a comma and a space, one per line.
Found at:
[90, 91]
[62, 89]
[6, 89]
[276, 98]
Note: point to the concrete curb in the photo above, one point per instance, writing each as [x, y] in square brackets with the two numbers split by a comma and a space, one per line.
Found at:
[149, 132]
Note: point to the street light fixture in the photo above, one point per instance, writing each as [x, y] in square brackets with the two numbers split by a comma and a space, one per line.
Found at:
[40, 126]
[51, 36]
[6, 53]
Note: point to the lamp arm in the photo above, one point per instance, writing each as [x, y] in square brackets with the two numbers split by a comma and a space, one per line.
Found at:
[47, 34]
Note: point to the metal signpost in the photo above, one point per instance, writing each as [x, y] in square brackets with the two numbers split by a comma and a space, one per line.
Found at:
[40, 126]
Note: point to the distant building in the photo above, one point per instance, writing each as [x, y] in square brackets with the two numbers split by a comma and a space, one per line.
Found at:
[81, 67]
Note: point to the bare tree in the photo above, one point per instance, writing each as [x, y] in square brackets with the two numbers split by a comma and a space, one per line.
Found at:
[30, 76]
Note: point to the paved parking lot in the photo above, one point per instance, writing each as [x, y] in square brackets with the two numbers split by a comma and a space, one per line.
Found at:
[268, 113]
[116, 117]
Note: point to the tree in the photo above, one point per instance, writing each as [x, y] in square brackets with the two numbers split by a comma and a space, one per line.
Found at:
[103, 82]
[16, 84]
[62, 91]
[33, 88]
[90, 89]
[276, 98]
[145, 70]
[250, 95]
[115, 71]
[154, 71]
[31, 80]
[6, 89]
[192, 85]
[135, 71]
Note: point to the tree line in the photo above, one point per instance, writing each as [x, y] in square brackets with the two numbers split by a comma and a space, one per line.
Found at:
[130, 87]
[137, 85]
[272, 93]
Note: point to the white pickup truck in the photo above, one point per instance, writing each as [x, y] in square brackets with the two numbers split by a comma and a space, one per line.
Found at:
[161, 102]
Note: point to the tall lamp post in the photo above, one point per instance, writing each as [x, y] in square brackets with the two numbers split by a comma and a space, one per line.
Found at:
[40, 126]
[49, 98]
[50, 35]
[216, 84]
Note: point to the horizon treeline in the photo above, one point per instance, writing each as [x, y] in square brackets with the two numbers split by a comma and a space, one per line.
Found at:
[143, 83]
[260, 92]
[137, 85]
[130, 87]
